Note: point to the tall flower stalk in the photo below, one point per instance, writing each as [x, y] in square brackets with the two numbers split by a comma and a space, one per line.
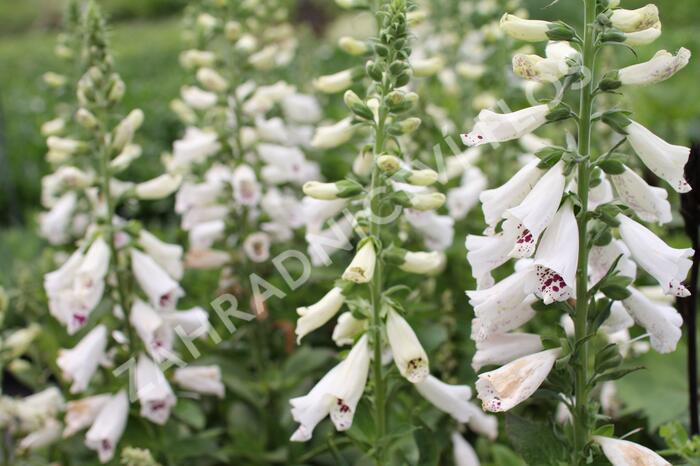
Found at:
[564, 211]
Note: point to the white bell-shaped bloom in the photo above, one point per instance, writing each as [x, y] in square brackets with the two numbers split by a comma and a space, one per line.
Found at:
[557, 256]
[347, 327]
[200, 379]
[30, 412]
[493, 127]
[450, 399]
[49, 433]
[661, 321]
[486, 253]
[168, 256]
[427, 263]
[200, 195]
[529, 218]
[79, 363]
[669, 266]
[530, 30]
[626, 453]
[332, 83]
[437, 230]
[648, 202]
[503, 348]
[198, 98]
[285, 165]
[643, 37]
[204, 235]
[314, 316]
[618, 320]
[162, 291]
[151, 327]
[601, 258]
[510, 385]
[409, 355]
[54, 225]
[90, 275]
[246, 189]
[190, 323]
[159, 187]
[59, 289]
[81, 413]
[330, 136]
[665, 160]
[153, 391]
[503, 307]
[108, 427]
[635, 20]
[337, 394]
[257, 247]
[462, 199]
[462, 452]
[661, 67]
[317, 211]
[301, 108]
[361, 269]
[195, 147]
[496, 201]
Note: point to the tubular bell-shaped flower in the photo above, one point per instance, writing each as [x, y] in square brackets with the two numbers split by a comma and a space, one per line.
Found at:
[503, 348]
[109, 426]
[493, 127]
[408, 353]
[450, 399]
[626, 453]
[80, 363]
[648, 202]
[314, 316]
[661, 321]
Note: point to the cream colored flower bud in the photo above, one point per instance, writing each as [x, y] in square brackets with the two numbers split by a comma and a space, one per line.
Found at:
[183, 112]
[530, 30]
[212, 80]
[363, 163]
[409, 125]
[635, 20]
[86, 119]
[116, 93]
[643, 37]
[388, 163]
[195, 58]
[352, 46]
[232, 30]
[426, 263]
[53, 127]
[333, 83]
[207, 22]
[361, 269]
[661, 67]
[427, 201]
[424, 177]
[351, 99]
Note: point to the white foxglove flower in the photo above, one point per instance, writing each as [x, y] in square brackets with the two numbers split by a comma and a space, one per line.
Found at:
[54, 225]
[427, 201]
[618, 320]
[32, 411]
[450, 399]
[190, 323]
[301, 108]
[195, 58]
[503, 348]
[486, 253]
[427, 263]
[529, 218]
[159, 187]
[361, 269]
[203, 235]
[337, 394]
[257, 247]
[505, 306]
[496, 201]
[198, 98]
[661, 67]
[168, 256]
[463, 452]
[530, 30]
[206, 258]
[409, 355]
[510, 385]
[246, 189]
[122, 161]
[643, 37]
[90, 275]
[332, 83]
[347, 327]
[192, 195]
[601, 258]
[151, 327]
[81, 413]
[200, 379]
[557, 257]
[316, 315]
[635, 20]
[162, 291]
[153, 391]
[317, 211]
[661, 321]
[669, 266]
[536, 68]
[285, 164]
[462, 199]
[665, 160]
[437, 230]
[212, 80]
[625, 453]
[195, 147]
[648, 202]
[426, 67]
[49, 433]
[328, 137]
[496, 127]
[124, 131]
[108, 427]
[79, 363]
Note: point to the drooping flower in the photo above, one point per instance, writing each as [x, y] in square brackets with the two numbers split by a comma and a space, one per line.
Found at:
[509, 385]
[168, 256]
[361, 269]
[159, 187]
[530, 30]
[463, 452]
[503, 348]
[661, 321]
[109, 426]
[83, 412]
[450, 399]
[246, 188]
[257, 247]
[648, 202]
[667, 161]
[486, 253]
[153, 391]
[662, 66]
[601, 258]
[337, 394]
[54, 225]
[626, 453]
[426, 263]
[557, 256]
[635, 20]
[79, 363]
[643, 37]
[347, 327]
[314, 316]
[44, 436]
[151, 327]
[162, 291]
[332, 83]
[200, 379]
[409, 355]
[494, 127]
[669, 266]
[328, 137]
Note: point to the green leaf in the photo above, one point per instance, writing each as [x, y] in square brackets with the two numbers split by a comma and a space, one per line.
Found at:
[534, 441]
[190, 412]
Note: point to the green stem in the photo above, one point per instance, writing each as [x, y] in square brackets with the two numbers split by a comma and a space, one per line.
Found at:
[376, 294]
[581, 422]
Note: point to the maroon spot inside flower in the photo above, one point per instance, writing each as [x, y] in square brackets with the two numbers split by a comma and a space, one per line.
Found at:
[157, 405]
[106, 445]
[79, 319]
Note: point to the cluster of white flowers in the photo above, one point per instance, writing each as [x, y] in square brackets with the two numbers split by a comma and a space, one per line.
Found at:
[241, 163]
[113, 256]
[532, 218]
